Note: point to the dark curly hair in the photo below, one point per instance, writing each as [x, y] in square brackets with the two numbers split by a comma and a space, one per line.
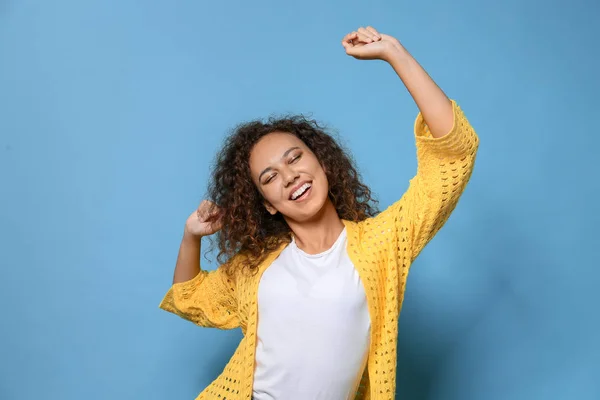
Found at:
[248, 228]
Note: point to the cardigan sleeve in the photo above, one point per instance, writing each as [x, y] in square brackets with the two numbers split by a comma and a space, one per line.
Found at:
[208, 300]
[444, 167]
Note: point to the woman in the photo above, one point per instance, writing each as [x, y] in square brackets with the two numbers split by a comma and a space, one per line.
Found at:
[312, 276]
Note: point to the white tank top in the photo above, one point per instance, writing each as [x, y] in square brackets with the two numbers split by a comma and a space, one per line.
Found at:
[313, 326]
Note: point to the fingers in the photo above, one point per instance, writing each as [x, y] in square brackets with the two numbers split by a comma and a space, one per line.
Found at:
[368, 35]
[373, 31]
[207, 210]
[360, 37]
[350, 36]
[216, 225]
[347, 40]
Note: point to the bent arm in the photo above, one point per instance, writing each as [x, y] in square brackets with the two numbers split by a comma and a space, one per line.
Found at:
[446, 151]
[205, 298]
[188, 259]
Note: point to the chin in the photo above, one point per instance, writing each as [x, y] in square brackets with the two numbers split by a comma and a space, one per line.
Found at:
[307, 212]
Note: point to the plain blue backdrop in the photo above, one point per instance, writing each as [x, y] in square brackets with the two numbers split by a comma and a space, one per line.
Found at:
[111, 113]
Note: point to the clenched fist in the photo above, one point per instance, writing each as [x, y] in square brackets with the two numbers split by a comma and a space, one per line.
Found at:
[205, 221]
[368, 44]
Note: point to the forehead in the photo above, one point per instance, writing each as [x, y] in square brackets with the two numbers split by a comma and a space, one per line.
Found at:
[270, 148]
[277, 140]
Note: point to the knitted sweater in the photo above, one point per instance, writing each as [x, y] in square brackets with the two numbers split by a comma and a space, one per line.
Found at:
[382, 249]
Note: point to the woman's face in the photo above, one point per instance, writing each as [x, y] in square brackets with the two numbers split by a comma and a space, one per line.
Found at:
[289, 176]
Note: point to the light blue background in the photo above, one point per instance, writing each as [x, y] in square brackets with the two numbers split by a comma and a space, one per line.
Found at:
[111, 113]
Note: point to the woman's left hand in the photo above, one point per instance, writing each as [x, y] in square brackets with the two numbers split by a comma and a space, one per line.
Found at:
[368, 44]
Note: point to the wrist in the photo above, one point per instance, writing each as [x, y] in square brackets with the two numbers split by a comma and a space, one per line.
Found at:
[191, 237]
[396, 54]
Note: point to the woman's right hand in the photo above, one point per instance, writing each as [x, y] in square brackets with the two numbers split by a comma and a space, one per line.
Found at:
[205, 220]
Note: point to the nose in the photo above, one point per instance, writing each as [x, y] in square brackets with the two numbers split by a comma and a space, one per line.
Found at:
[289, 176]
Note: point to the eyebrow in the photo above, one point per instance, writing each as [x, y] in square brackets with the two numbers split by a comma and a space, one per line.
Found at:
[288, 151]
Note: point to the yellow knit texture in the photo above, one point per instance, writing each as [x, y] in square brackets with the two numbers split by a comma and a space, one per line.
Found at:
[382, 249]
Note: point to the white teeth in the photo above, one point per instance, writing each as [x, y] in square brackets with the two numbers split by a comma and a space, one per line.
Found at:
[300, 191]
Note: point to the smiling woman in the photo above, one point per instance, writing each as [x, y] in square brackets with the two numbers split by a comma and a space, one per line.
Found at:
[311, 272]
[290, 178]
[260, 167]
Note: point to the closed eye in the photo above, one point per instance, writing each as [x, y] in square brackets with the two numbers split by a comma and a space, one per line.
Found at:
[269, 179]
[295, 159]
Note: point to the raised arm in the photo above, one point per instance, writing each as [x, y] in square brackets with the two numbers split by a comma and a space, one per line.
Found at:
[206, 298]
[204, 221]
[368, 44]
[446, 150]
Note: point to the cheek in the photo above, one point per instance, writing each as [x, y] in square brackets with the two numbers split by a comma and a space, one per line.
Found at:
[272, 194]
[322, 172]
[313, 166]
[323, 180]
[325, 183]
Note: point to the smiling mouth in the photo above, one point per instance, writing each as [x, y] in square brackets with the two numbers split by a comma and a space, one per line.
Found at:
[301, 191]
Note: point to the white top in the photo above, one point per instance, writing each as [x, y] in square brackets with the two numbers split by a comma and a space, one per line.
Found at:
[313, 326]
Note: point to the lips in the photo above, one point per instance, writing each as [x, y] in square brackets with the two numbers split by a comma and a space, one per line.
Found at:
[298, 190]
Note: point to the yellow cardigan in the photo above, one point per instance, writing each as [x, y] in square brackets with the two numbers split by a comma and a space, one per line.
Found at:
[382, 249]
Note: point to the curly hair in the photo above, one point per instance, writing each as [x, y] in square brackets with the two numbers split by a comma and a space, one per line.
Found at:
[248, 229]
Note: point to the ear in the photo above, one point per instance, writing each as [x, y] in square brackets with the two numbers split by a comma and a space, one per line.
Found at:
[270, 208]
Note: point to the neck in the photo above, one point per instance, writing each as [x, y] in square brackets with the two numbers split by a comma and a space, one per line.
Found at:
[320, 233]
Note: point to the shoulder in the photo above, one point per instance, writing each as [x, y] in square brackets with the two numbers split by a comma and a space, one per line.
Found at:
[377, 225]
[244, 265]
